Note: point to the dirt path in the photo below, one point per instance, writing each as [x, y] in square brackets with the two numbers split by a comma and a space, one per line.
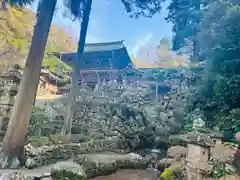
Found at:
[130, 174]
[37, 172]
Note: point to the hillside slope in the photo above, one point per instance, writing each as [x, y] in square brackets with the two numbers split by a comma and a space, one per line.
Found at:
[16, 29]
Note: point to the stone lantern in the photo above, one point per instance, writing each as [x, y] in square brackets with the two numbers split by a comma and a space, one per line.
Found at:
[9, 83]
[215, 135]
[199, 145]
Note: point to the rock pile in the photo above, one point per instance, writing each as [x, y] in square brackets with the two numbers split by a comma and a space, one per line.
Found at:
[132, 114]
[82, 167]
[51, 154]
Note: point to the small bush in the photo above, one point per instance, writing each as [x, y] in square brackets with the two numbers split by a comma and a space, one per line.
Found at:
[167, 175]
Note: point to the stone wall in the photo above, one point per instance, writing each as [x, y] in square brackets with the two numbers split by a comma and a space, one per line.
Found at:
[50, 154]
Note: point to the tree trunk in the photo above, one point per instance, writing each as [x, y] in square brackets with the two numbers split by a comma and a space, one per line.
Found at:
[76, 65]
[14, 140]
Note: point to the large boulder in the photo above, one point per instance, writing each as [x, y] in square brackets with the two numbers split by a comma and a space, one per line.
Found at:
[68, 170]
[132, 161]
[106, 163]
[97, 166]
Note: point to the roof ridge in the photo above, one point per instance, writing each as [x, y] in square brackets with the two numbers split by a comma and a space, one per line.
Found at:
[104, 43]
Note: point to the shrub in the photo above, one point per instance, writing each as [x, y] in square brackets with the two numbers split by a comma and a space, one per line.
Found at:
[167, 175]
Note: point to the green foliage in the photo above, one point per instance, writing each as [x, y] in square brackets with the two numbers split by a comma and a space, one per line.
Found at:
[17, 3]
[12, 25]
[219, 169]
[224, 61]
[165, 56]
[133, 8]
[228, 121]
[167, 175]
[142, 8]
[55, 65]
[180, 15]
[17, 43]
[39, 123]
[218, 38]
[164, 53]
[16, 28]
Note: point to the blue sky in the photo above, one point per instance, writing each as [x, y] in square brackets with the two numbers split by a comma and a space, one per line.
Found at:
[109, 22]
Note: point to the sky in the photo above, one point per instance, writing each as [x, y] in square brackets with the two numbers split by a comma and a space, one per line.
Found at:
[110, 22]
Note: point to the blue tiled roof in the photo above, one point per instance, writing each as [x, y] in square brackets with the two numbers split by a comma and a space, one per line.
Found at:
[94, 48]
[106, 46]
[100, 51]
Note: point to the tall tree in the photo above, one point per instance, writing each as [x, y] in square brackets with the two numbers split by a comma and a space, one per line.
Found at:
[82, 9]
[163, 50]
[219, 38]
[14, 140]
[164, 53]
[186, 17]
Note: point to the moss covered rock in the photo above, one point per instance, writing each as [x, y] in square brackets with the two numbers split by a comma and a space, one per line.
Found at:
[97, 167]
[68, 171]
[133, 161]
[51, 154]
[47, 155]
[39, 141]
[107, 163]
